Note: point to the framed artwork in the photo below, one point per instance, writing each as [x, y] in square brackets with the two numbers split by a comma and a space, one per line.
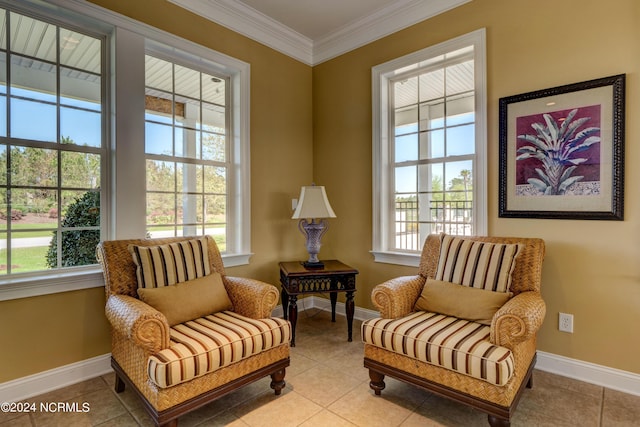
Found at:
[562, 152]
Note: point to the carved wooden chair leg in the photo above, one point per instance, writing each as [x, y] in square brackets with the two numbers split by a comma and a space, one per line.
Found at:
[377, 381]
[277, 381]
[119, 386]
[498, 422]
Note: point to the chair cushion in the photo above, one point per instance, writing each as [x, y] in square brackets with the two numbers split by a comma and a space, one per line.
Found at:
[460, 301]
[165, 265]
[476, 264]
[455, 344]
[188, 300]
[212, 342]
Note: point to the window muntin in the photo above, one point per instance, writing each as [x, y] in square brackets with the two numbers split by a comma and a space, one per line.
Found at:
[186, 146]
[51, 145]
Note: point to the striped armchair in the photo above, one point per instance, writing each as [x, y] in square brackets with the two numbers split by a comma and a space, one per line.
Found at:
[483, 364]
[176, 365]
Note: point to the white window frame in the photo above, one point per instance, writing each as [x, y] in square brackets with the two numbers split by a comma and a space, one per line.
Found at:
[124, 175]
[383, 169]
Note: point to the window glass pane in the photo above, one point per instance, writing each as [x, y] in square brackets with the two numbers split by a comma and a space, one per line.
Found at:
[34, 166]
[4, 267]
[187, 112]
[161, 209]
[406, 148]
[80, 127]
[77, 247]
[213, 89]
[406, 119]
[159, 106]
[160, 176]
[214, 117]
[3, 24]
[30, 251]
[215, 179]
[158, 139]
[80, 170]
[3, 69]
[432, 85]
[189, 178]
[216, 211]
[80, 51]
[406, 179]
[406, 92]
[80, 208]
[33, 79]
[187, 143]
[32, 37]
[3, 116]
[430, 177]
[213, 146]
[3, 165]
[460, 140]
[432, 144]
[460, 110]
[27, 203]
[459, 78]
[158, 73]
[79, 89]
[432, 115]
[22, 113]
[190, 210]
[187, 82]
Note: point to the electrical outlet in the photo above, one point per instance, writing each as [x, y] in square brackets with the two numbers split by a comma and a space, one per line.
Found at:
[565, 322]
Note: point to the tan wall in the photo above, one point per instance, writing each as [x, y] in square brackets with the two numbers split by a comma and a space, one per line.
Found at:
[592, 268]
[53, 330]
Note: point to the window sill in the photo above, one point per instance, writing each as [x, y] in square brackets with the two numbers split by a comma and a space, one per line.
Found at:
[234, 260]
[399, 258]
[50, 283]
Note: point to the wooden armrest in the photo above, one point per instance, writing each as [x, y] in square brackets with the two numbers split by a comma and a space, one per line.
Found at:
[139, 322]
[518, 320]
[251, 298]
[396, 297]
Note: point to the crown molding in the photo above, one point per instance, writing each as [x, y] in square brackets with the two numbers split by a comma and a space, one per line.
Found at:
[255, 25]
[381, 23]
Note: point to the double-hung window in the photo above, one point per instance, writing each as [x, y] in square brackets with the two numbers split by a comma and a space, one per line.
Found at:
[52, 127]
[429, 147]
[187, 159]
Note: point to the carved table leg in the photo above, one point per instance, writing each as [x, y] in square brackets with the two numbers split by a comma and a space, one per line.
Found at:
[334, 298]
[285, 303]
[350, 308]
[293, 317]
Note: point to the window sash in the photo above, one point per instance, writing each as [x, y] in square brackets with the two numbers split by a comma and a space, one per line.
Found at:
[384, 165]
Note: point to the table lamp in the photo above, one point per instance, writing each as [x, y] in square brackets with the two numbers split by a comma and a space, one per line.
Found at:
[313, 205]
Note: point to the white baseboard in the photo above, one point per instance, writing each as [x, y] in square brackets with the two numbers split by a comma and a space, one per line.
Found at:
[36, 384]
[43, 382]
[612, 378]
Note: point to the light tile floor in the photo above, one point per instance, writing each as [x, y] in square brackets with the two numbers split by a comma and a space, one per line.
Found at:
[328, 386]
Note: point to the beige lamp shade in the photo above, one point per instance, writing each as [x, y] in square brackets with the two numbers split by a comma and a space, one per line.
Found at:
[313, 203]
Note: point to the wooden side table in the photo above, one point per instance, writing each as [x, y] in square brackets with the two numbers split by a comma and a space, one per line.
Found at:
[333, 278]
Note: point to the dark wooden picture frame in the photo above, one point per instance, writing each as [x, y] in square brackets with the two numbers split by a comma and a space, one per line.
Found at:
[562, 152]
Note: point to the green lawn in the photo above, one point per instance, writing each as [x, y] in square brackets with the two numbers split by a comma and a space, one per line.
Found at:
[24, 259]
